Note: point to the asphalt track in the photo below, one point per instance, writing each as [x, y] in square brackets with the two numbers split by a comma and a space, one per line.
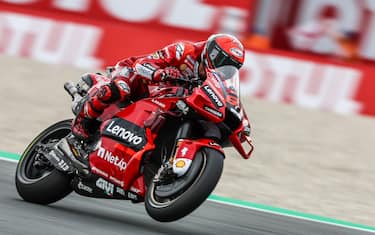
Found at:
[79, 215]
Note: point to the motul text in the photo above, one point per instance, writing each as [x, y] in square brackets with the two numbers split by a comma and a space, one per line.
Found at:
[48, 40]
[305, 83]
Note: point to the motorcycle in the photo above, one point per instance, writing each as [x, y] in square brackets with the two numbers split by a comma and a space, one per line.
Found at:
[165, 150]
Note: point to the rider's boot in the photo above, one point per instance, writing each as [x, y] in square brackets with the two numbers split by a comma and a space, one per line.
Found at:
[85, 125]
[84, 128]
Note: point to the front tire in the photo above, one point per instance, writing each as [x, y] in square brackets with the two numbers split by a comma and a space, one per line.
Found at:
[43, 184]
[209, 164]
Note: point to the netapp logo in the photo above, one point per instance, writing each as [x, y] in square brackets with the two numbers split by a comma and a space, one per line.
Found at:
[126, 132]
[214, 98]
[109, 157]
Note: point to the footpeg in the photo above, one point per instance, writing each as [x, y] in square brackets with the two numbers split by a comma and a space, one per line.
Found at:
[72, 154]
[62, 157]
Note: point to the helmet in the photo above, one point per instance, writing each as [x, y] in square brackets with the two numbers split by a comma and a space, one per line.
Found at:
[223, 49]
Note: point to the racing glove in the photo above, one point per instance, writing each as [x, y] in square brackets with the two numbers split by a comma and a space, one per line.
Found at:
[166, 74]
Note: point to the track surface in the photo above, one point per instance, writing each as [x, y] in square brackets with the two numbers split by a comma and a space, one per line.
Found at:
[304, 160]
[79, 215]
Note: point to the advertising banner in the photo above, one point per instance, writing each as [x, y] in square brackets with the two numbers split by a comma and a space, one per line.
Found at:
[309, 81]
[95, 34]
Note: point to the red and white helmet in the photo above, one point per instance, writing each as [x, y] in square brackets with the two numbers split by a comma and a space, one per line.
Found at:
[223, 49]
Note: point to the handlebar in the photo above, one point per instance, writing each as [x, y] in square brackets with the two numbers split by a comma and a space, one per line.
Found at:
[71, 89]
[190, 84]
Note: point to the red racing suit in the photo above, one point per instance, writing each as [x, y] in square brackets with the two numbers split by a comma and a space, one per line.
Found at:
[131, 76]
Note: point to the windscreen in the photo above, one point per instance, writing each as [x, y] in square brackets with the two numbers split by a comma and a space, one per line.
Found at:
[229, 77]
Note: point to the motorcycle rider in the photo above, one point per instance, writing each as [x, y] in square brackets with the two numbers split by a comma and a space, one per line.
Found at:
[131, 75]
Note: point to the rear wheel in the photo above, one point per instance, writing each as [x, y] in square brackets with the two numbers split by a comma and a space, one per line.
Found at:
[172, 201]
[36, 179]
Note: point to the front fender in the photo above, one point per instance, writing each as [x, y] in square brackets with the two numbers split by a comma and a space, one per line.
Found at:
[186, 150]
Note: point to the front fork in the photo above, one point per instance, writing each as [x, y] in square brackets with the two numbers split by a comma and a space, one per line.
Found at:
[186, 150]
[187, 145]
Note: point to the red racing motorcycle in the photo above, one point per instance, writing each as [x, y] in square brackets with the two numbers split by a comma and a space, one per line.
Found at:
[165, 150]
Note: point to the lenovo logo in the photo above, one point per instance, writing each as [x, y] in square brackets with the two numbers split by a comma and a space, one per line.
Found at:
[123, 133]
[212, 95]
[127, 133]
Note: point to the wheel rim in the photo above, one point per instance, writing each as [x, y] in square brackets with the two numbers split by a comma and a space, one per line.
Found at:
[29, 170]
[158, 202]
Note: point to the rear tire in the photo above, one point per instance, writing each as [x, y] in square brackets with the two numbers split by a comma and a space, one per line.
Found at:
[46, 185]
[174, 208]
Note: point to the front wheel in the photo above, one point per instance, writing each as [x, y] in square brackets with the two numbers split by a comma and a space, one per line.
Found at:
[37, 180]
[206, 170]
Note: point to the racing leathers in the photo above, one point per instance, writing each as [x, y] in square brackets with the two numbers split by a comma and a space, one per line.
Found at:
[130, 78]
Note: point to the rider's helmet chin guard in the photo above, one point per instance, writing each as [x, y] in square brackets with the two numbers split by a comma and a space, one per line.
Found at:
[223, 49]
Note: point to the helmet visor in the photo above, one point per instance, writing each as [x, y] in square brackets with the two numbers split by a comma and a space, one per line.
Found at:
[217, 57]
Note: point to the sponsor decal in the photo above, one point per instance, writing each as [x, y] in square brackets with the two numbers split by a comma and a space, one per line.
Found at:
[158, 103]
[179, 51]
[106, 186]
[180, 164]
[146, 70]
[126, 132]
[99, 172]
[134, 189]
[132, 196]
[64, 166]
[120, 191]
[237, 52]
[84, 187]
[60, 162]
[184, 151]
[116, 181]
[109, 157]
[213, 111]
[213, 96]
